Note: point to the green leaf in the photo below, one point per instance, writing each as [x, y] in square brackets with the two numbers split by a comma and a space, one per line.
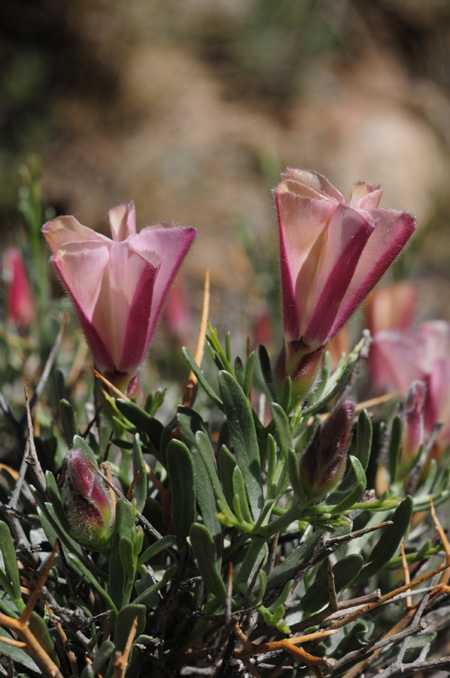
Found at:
[18, 655]
[146, 595]
[190, 422]
[79, 443]
[157, 547]
[205, 552]
[55, 498]
[249, 369]
[239, 371]
[10, 562]
[201, 377]
[356, 638]
[124, 621]
[284, 435]
[204, 446]
[267, 373]
[39, 630]
[338, 380]
[227, 464]
[143, 422]
[243, 437]
[351, 488]
[271, 466]
[140, 488]
[102, 655]
[363, 438]
[395, 444]
[345, 571]
[127, 557]
[290, 567]
[389, 540]
[294, 473]
[180, 467]
[68, 420]
[240, 495]
[255, 555]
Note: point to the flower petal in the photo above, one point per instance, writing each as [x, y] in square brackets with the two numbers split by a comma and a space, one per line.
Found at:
[301, 221]
[365, 197]
[400, 353]
[392, 231]
[307, 183]
[81, 266]
[63, 230]
[124, 304]
[122, 221]
[171, 244]
[326, 275]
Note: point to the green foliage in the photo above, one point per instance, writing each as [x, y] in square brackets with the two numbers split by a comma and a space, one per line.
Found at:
[213, 534]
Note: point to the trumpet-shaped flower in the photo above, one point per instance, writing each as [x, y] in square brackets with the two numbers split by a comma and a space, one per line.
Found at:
[391, 307]
[332, 254]
[423, 354]
[118, 286]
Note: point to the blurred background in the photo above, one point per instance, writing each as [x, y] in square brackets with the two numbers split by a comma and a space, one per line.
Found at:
[192, 108]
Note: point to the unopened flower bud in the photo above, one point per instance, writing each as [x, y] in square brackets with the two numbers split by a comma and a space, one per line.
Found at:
[323, 462]
[88, 503]
[413, 422]
[20, 301]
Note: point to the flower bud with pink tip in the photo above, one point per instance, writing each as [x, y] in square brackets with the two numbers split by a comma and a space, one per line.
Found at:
[88, 503]
[331, 256]
[20, 303]
[412, 414]
[322, 464]
[118, 286]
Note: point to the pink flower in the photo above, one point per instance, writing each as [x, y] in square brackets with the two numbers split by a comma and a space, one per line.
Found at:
[20, 307]
[118, 286]
[388, 308]
[88, 503]
[423, 355]
[332, 254]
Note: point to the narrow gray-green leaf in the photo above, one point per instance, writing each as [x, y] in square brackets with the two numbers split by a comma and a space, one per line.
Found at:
[180, 467]
[363, 438]
[344, 571]
[284, 435]
[10, 561]
[201, 377]
[124, 621]
[190, 422]
[389, 541]
[140, 487]
[205, 552]
[243, 437]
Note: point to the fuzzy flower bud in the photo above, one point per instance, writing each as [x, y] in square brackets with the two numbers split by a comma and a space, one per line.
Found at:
[88, 503]
[413, 422]
[322, 464]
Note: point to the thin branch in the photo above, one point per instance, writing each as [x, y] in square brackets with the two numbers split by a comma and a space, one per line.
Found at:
[189, 391]
[414, 477]
[334, 603]
[378, 645]
[337, 541]
[47, 369]
[31, 455]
